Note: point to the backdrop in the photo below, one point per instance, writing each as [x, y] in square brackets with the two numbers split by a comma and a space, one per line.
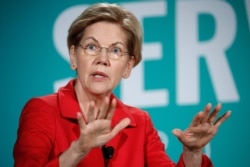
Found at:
[194, 52]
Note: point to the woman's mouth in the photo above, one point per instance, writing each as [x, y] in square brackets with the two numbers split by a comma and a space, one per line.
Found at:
[99, 75]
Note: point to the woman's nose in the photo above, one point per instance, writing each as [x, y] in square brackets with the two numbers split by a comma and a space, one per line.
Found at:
[103, 57]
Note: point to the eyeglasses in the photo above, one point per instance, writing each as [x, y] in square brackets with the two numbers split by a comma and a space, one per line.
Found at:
[113, 52]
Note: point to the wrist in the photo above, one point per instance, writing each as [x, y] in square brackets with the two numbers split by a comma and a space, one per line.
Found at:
[192, 150]
[73, 155]
[78, 150]
[192, 157]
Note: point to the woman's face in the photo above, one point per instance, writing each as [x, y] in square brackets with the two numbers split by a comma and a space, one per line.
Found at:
[100, 74]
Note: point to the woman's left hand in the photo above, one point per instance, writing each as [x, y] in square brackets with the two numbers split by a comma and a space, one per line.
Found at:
[202, 129]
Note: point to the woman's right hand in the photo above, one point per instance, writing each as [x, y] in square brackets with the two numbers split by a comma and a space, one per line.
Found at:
[95, 126]
[95, 131]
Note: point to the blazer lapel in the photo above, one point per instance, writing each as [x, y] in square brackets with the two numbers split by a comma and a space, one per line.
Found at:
[121, 112]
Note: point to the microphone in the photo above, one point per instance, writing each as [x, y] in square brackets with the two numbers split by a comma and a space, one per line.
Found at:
[108, 152]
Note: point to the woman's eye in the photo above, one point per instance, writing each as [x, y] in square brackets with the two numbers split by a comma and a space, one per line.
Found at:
[116, 50]
[91, 47]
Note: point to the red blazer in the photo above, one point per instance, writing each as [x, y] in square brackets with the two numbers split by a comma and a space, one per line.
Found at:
[48, 125]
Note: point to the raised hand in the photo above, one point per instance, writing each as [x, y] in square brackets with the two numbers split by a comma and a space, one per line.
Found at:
[95, 125]
[202, 129]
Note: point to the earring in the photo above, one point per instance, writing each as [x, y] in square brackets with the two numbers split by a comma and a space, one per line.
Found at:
[73, 67]
[125, 75]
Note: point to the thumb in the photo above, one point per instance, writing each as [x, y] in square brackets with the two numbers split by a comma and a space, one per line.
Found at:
[121, 125]
[177, 132]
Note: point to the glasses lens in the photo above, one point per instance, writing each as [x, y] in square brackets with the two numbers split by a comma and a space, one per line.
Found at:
[91, 50]
[115, 52]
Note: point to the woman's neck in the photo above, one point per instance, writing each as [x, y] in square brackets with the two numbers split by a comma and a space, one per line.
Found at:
[84, 97]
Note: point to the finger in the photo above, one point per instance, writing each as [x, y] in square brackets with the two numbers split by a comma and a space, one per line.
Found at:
[220, 120]
[83, 112]
[80, 120]
[103, 109]
[92, 111]
[197, 119]
[206, 111]
[213, 115]
[111, 109]
[121, 125]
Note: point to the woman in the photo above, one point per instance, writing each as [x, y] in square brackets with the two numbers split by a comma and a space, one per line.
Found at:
[84, 124]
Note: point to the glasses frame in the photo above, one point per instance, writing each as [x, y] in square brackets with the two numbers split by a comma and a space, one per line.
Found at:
[99, 48]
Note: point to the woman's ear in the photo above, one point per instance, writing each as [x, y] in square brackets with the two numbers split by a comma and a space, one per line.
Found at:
[129, 67]
[72, 54]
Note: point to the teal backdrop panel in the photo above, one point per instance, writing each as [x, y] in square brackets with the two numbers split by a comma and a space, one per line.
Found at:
[194, 52]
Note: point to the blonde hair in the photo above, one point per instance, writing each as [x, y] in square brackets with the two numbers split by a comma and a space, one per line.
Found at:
[112, 13]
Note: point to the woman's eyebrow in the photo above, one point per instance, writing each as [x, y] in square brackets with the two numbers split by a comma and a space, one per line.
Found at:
[88, 38]
[113, 44]
[116, 43]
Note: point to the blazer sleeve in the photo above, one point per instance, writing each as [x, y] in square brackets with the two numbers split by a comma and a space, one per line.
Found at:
[35, 136]
[156, 155]
[206, 162]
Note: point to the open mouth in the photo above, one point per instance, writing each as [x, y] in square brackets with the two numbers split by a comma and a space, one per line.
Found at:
[99, 75]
